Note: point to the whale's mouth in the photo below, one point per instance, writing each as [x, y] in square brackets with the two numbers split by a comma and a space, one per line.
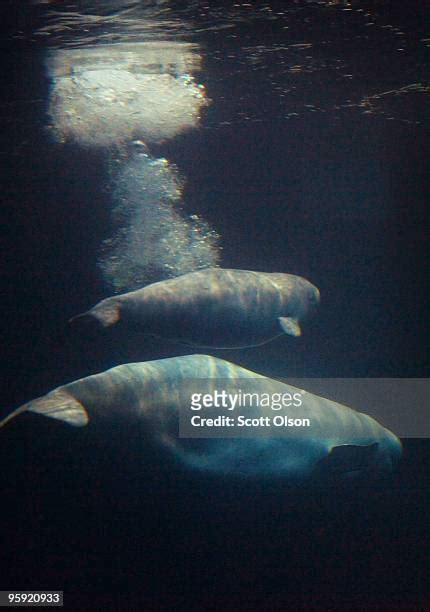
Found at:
[313, 299]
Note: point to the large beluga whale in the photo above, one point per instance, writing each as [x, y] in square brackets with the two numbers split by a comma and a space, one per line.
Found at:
[311, 438]
[217, 308]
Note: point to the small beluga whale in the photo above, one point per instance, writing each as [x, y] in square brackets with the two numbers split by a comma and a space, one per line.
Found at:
[215, 307]
[310, 439]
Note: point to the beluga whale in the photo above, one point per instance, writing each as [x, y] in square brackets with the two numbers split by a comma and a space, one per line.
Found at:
[282, 432]
[213, 308]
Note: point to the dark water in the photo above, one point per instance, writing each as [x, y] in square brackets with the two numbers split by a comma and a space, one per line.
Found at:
[297, 174]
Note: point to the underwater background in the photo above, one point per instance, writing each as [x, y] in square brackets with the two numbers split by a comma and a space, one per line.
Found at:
[310, 157]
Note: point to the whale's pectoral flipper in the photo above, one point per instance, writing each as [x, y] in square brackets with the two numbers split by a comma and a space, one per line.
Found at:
[290, 326]
[347, 460]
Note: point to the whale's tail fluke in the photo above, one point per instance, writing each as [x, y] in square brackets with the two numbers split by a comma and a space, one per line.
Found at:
[104, 314]
[13, 414]
[58, 404]
[85, 320]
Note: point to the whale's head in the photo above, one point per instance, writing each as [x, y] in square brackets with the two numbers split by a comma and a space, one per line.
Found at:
[308, 297]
